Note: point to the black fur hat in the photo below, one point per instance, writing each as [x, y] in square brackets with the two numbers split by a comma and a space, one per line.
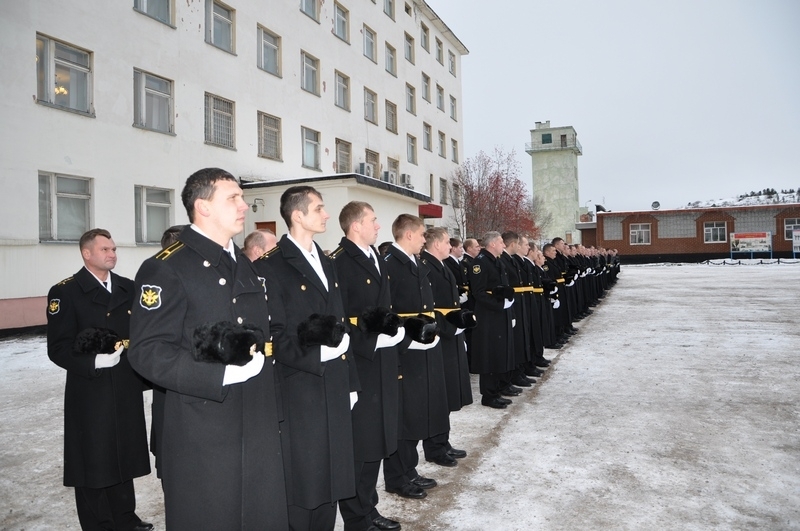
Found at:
[462, 319]
[503, 292]
[379, 320]
[226, 342]
[320, 330]
[422, 329]
[96, 341]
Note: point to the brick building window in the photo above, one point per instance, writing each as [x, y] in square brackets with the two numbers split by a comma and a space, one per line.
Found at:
[790, 224]
[640, 234]
[715, 232]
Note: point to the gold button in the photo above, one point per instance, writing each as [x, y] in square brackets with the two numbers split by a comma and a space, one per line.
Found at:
[222, 282]
[344, 356]
[399, 376]
[239, 320]
[303, 287]
[369, 281]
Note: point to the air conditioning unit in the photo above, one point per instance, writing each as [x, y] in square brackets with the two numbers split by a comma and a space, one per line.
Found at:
[405, 180]
[390, 177]
[366, 168]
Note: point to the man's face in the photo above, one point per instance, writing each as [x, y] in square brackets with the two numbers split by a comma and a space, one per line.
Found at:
[368, 228]
[538, 258]
[473, 250]
[522, 248]
[226, 208]
[457, 251]
[496, 247]
[100, 255]
[316, 219]
[441, 247]
[550, 252]
[416, 238]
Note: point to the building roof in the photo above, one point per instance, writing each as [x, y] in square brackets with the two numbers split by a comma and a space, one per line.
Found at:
[360, 179]
[780, 206]
[441, 26]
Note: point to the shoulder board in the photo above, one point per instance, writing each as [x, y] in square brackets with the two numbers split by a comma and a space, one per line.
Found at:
[66, 280]
[269, 253]
[169, 251]
[336, 252]
[386, 257]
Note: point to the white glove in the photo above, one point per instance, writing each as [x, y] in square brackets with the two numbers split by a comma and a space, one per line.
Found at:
[353, 399]
[458, 331]
[463, 298]
[555, 290]
[235, 374]
[575, 277]
[327, 353]
[385, 340]
[571, 283]
[422, 346]
[106, 361]
[507, 303]
[556, 304]
[513, 323]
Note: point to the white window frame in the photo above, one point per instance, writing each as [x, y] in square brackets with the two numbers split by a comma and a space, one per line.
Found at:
[341, 22]
[309, 68]
[451, 62]
[217, 118]
[456, 196]
[271, 40]
[370, 44]
[439, 51]
[143, 203]
[388, 8]
[66, 92]
[711, 232]
[442, 144]
[229, 19]
[310, 8]
[442, 191]
[454, 150]
[142, 95]
[427, 137]
[425, 37]
[344, 156]
[391, 117]
[408, 47]
[453, 108]
[639, 234]
[150, 8]
[411, 99]
[310, 148]
[53, 207]
[269, 128]
[370, 106]
[391, 59]
[790, 224]
[440, 98]
[426, 87]
[342, 92]
[411, 148]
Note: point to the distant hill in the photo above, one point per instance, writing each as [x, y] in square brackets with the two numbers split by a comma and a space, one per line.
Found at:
[768, 196]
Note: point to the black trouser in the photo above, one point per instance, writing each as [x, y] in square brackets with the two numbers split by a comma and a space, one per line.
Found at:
[107, 508]
[401, 467]
[492, 383]
[359, 511]
[436, 446]
[323, 518]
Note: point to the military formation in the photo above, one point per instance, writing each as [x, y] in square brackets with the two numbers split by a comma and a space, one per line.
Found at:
[285, 378]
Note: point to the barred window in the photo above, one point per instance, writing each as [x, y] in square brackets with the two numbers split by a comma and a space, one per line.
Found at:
[220, 122]
[391, 116]
[269, 136]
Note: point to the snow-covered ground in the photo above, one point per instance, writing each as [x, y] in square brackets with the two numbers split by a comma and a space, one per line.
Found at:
[675, 407]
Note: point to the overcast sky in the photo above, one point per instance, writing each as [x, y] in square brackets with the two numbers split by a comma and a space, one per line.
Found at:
[673, 100]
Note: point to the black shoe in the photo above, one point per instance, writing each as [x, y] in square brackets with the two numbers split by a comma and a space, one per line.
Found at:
[521, 381]
[381, 522]
[409, 490]
[143, 526]
[573, 330]
[502, 400]
[555, 346]
[542, 362]
[443, 460]
[493, 402]
[534, 372]
[456, 454]
[424, 483]
[509, 392]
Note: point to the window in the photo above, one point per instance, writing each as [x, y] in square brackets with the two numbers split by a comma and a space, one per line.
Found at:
[442, 145]
[425, 38]
[63, 75]
[373, 158]
[310, 8]
[152, 102]
[64, 207]
[411, 149]
[310, 148]
[342, 91]
[370, 106]
[456, 196]
[427, 141]
[451, 62]
[547, 138]
[393, 165]
[391, 116]
[790, 224]
[409, 48]
[408, 9]
[220, 122]
[344, 157]
[269, 51]
[219, 25]
[153, 213]
[388, 8]
[158, 9]
[341, 23]
[453, 107]
[309, 81]
[369, 45]
[715, 232]
[439, 98]
[439, 51]
[411, 99]
[454, 150]
[426, 87]
[391, 61]
[269, 136]
[640, 233]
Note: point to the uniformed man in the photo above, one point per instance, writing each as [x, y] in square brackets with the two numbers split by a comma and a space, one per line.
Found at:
[221, 453]
[105, 438]
[364, 285]
[423, 397]
[521, 326]
[536, 294]
[316, 373]
[555, 292]
[259, 242]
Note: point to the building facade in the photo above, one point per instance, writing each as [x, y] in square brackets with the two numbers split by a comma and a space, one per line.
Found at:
[109, 106]
[554, 152]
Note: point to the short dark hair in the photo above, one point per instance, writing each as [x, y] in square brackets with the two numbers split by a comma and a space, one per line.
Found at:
[405, 222]
[557, 239]
[352, 212]
[170, 235]
[89, 236]
[455, 242]
[547, 247]
[383, 247]
[434, 234]
[201, 185]
[509, 237]
[296, 198]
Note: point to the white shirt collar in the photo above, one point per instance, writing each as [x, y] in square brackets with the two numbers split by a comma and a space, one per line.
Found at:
[108, 287]
[413, 259]
[313, 259]
[230, 249]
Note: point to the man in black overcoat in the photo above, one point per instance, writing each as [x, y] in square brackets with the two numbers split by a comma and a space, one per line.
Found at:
[522, 311]
[199, 329]
[105, 438]
[364, 285]
[316, 371]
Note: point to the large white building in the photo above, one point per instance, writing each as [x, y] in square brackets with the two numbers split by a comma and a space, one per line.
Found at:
[109, 105]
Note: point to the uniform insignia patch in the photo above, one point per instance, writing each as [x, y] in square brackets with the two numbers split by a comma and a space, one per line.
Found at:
[53, 306]
[545, 267]
[476, 269]
[151, 297]
[263, 283]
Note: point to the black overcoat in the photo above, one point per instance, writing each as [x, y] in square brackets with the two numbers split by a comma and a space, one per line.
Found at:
[375, 415]
[221, 455]
[105, 438]
[317, 429]
[423, 396]
[492, 339]
[522, 311]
